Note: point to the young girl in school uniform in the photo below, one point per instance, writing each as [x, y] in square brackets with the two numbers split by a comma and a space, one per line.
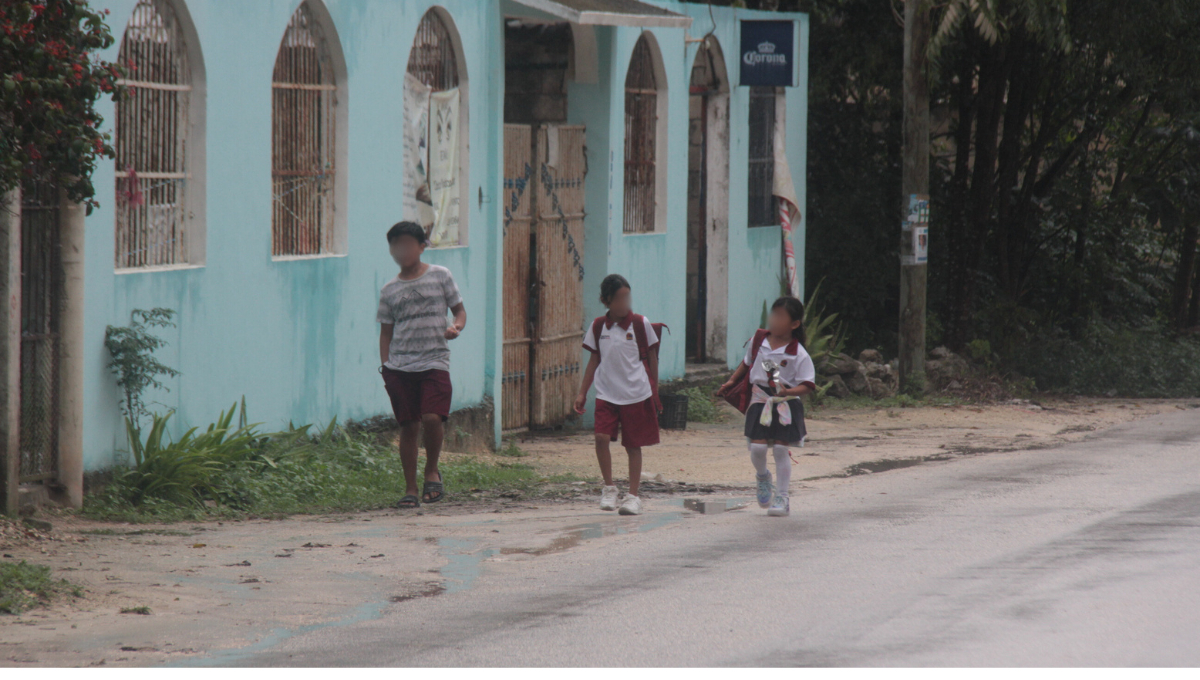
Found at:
[626, 389]
[775, 417]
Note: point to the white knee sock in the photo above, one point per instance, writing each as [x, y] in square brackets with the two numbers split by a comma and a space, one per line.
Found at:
[783, 468]
[758, 456]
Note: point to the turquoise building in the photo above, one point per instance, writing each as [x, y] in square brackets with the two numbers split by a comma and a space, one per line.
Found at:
[268, 146]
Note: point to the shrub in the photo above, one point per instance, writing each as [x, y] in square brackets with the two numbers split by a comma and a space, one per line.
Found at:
[1112, 361]
[702, 405]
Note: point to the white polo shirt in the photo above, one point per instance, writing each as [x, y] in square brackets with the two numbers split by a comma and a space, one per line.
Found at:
[621, 376]
[794, 369]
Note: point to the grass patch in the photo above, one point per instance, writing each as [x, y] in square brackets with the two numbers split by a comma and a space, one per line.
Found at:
[334, 473]
[143, 610]
[24, 586]
[511, 450]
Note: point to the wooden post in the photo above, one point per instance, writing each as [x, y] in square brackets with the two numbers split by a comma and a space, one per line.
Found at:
[10, 347]
[914, 181]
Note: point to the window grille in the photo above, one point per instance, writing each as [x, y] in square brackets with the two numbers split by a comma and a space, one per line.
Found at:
[432, 59]
[303, 102]
[151, 140]
[762, 158]
[641, 127]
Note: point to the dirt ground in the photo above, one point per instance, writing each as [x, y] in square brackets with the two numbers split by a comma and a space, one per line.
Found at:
[215, 590]
[857, 440]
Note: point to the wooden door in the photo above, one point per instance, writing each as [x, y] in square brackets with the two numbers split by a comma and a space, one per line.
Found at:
[518, 329]
[561, 165]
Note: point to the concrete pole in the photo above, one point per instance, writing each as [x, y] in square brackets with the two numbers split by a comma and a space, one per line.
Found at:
[70, 362]
[914, 180]
[10, 346]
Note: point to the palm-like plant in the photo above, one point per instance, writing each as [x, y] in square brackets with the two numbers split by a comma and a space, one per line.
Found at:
[994, 20]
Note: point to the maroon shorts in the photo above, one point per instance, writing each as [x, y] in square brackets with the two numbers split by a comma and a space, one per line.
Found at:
[416, 394]
[639, 421]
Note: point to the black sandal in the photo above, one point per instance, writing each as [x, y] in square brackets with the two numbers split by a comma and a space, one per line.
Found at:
[409, 502]
[432, 488]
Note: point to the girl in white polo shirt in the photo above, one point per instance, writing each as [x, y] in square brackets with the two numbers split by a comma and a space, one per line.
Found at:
[622, 367]
[775, 416]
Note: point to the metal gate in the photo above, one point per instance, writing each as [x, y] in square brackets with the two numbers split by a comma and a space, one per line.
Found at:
[41, 293]
[544, 170]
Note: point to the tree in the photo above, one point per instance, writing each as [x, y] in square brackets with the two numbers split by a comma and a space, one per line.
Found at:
[50, 81]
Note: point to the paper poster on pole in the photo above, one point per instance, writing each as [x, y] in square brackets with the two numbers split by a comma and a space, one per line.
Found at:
[443, 166]
[417, 200]
[917, 224]
[920, 245]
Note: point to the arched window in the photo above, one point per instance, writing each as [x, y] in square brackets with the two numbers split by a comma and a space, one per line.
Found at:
[155, 141]
[433, 60]
[645, 104]
[304, 127]
[435, 127]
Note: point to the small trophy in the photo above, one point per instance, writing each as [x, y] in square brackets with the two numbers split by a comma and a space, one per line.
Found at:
[772, 370]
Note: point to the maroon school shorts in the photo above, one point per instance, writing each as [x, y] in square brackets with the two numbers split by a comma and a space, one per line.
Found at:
[416, 394]
[639, 422]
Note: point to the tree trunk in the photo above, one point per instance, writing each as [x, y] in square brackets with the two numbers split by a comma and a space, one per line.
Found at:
[980, 198]
[1194, 306]
[957, 240]
[1185, 272]
[1010, 228]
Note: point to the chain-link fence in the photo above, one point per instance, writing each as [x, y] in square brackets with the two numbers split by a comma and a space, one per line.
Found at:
[41, 294]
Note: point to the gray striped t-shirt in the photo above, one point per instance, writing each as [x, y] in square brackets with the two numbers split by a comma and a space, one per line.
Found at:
[417, 309]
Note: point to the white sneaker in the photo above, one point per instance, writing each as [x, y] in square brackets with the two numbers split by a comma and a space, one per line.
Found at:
[766, 490]
[631, 506]
[608, 498]
[781, 506]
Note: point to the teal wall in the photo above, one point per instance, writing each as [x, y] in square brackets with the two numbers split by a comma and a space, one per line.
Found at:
[755, 254]
[656, 264]
[298, 338]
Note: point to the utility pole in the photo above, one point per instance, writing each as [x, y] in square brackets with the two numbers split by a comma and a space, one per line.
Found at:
[10, 349]
[914, 184]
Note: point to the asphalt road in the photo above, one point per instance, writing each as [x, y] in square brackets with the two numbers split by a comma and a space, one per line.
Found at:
[1083, 555]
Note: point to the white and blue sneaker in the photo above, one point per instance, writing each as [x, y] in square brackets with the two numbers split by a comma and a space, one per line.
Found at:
[765, 489]
[781, 506]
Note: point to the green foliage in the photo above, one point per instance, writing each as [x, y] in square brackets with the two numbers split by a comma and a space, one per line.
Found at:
[24, 586]
[853, 178]
[511, 450]
[1111, 360]
[132, 350]
[1065, 186]
[702, 405]
[182, 471]
[824, 338]
[49, 84]
[915, 385]
[228, 471]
